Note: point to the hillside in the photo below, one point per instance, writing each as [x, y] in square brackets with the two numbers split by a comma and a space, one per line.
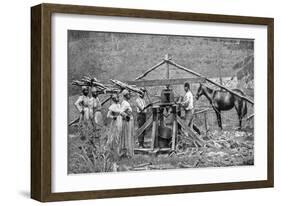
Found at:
[124, 56]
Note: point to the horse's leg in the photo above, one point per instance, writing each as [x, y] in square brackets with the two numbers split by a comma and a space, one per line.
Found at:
[218, 117]
[219, 113]
[244, 108]
[238, 107]
[243, 111]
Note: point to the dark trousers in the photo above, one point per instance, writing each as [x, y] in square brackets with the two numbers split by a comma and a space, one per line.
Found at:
[141, 118]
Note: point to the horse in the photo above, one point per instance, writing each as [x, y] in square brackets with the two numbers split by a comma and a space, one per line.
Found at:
[223, 101]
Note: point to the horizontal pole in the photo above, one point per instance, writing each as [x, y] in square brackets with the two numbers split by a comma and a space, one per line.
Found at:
[163, 82]
[202, 111]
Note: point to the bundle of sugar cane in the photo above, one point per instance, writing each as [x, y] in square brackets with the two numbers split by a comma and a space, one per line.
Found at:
[79, 83]
[123, 86]
[90, 82]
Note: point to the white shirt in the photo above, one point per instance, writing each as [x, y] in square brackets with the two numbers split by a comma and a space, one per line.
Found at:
[188, 101]
[140, 104]
[82, 101]
[94, 103]
[114, 110]
[125, 106]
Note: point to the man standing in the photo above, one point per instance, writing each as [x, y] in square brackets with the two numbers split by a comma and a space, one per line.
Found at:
[95, 108]
[141, 116]
[187, 104]
[82, 105]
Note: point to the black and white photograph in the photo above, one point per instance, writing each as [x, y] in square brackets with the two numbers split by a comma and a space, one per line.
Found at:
[139, 102]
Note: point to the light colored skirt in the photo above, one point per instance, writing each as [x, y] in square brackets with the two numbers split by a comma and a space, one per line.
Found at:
[127, 137]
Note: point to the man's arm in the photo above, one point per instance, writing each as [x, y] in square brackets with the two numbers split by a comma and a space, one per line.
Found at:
[78, 104]
[186, 101]
[139, 105]
[113, 112]
[97, 104]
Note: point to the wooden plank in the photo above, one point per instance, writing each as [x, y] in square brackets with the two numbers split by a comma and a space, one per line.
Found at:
[210, 81]
[189, 132]
[144, 127]
[149, 151]
[163, 82]
[250, 117]
[154, 133]
[175, 127]
[202, 111]
[150, 70]
[167, 57]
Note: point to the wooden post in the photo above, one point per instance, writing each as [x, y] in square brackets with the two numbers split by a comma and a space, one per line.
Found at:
[167, 57]
[161, 116]
[154, 132]
[175, 127]
[146, 125]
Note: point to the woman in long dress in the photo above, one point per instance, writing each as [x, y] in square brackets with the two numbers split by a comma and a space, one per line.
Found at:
[127, 134]
[114, 132]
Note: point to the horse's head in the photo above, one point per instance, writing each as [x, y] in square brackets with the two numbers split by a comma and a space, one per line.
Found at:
[200, 92]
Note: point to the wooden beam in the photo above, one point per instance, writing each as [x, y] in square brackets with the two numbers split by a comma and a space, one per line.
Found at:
[202, 111]
[167, 57]
[150, 70]
[250, 117]
[146, 125]
[163, 82]
[154, 133]
[189, 132]
[210, 81]
[175, 127]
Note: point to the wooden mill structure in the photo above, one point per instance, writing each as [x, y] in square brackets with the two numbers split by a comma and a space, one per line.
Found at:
[156, 119]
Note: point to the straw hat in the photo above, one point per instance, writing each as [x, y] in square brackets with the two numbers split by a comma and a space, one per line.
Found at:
[125, 92]
[84, 88]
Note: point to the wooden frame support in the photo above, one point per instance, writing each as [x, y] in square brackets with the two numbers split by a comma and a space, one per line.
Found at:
[175, 127]
[154, 133]
[145, 126]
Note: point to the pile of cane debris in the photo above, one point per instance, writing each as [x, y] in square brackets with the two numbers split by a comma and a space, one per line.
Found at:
[222, 148]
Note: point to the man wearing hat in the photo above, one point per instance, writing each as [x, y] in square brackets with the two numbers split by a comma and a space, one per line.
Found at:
[187, 104]
[95, 108]
[141, 115]
[82, 105]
